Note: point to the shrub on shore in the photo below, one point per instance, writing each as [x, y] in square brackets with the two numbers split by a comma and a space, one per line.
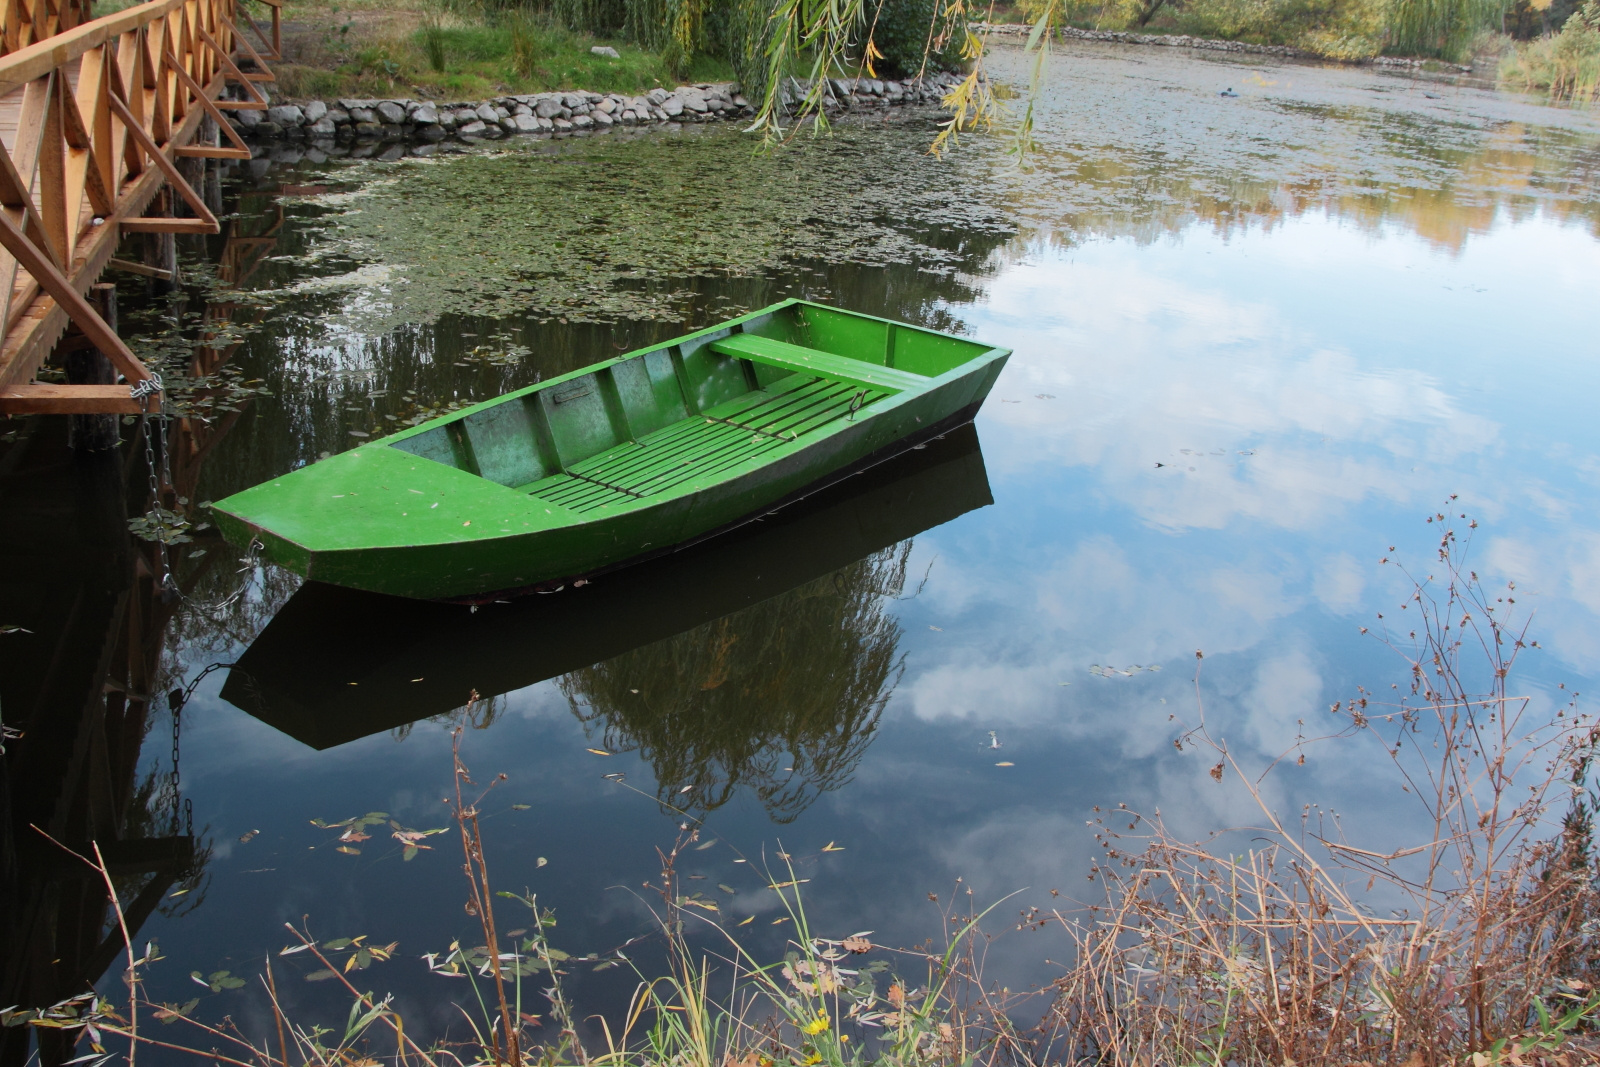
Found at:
[1565, 65]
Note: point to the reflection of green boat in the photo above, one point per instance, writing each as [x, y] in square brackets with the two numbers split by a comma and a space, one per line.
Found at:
[619, 460]
[411, 659]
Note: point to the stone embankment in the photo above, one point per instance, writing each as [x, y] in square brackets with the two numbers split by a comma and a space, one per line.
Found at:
[1210, 44]
[421, 123]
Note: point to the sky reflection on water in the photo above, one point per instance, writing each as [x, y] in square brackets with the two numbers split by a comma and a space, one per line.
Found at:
[1252, 352]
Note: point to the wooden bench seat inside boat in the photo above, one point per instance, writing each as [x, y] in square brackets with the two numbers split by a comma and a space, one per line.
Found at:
[782, 354]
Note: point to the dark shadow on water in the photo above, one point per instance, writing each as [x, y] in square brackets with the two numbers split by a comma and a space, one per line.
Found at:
[335, 665]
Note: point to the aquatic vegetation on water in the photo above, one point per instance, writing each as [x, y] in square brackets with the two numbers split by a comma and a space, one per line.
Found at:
[599, 230]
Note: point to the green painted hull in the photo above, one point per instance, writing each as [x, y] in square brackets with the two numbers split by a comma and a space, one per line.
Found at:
[618, 461]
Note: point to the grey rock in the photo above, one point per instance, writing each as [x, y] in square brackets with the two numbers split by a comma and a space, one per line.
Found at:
[697, 103]
[525, 123]
[561, 125]
[547, 108]
[431, 134]
[351, 105]
[248, 119]
[574, 100]
[673, 106]
[465, 115]
[605, 50]
[502, 113]
[390, 112]
[314, 112]
[608, 106]
[508, 124]
[447, 120]
[602, 120]
[268, 129]
[841, 87]
[740, 101]
[425, 116]
[545, 125]
[475, 128]
[368, 131]
[657, 97]
[363, 114]
[286, 115]
[338, 116]
[522, 109]
[487, 113]
[582, 122]
[393, 131]
[877, 87]
[629, 117]
[323, 127]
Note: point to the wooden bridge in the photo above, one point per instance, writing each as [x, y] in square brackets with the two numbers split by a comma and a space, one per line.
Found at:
[96, 116]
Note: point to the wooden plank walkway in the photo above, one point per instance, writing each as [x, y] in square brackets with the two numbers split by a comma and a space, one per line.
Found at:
[94, 115]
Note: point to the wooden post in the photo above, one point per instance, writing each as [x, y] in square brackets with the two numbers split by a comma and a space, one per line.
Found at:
[90, 366]
[161, 249]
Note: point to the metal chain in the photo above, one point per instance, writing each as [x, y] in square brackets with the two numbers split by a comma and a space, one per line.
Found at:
[173, 779]
[167, 586]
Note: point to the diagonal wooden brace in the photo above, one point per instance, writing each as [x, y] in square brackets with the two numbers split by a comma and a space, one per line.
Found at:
[203, 222]
[79, 310]
[240, 150]
[231, 67]
[266, 71]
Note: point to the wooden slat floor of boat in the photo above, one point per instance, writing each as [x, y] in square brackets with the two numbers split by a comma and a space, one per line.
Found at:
[704, 445]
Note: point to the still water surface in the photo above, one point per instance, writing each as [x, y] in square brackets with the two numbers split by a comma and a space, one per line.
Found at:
[1257, 342]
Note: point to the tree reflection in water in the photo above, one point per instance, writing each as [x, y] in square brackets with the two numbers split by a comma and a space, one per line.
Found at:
[781, 697]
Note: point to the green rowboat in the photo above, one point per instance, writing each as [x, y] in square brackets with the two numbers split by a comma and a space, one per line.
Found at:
[618, 461]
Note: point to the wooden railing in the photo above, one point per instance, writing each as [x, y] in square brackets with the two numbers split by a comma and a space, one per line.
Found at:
[94, 118]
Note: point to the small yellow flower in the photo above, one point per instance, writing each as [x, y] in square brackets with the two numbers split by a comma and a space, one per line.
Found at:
[817, 1025]
[815, 1057]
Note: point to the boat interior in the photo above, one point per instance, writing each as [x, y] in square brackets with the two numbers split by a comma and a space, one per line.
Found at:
[648, 423]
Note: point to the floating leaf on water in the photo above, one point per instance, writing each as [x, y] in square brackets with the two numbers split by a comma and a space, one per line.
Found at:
[321, 976]
[177, 893]
[1005, 763]
[727, 888]
[747, 922]
[541, 862]
[359, 433]
[338, 943]
[779, 919]
[615, 776]
[706, 845]
[246, 837]
[521, 807]
[831, 847]
[599, 752]
[348, 850]
[939, 628]
[292, 949]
